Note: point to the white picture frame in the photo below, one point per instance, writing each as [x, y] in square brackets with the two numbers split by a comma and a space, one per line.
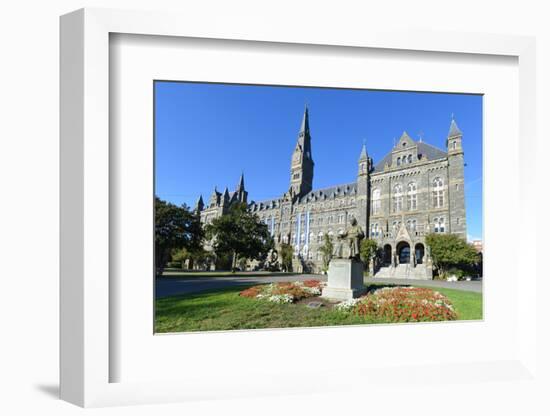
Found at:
[86, 220]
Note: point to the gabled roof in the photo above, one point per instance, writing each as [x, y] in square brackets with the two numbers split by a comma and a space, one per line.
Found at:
[425, 150]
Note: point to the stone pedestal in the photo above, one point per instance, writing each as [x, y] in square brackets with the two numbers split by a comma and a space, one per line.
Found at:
[345, 280]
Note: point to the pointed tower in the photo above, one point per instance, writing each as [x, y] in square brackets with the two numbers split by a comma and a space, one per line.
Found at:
[454, 138]
[301, 167]
[363, 188]
[457, 208]
[199, 206]
[240, 191]
[214, 198]
[225, 197]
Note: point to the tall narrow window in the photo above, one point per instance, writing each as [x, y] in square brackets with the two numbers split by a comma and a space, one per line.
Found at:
[375, 201]
[411, 196]
[437, 193]
[375, 230]
[409, 159]
[439, 225]
[397, 198]
[398, 161]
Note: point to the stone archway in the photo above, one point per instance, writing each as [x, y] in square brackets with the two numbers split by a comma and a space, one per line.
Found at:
[419, 252]
[403, 252]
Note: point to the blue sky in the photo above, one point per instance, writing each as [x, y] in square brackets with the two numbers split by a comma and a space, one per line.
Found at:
[207, 134]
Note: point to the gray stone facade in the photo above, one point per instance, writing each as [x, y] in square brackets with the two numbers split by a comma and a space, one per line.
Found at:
[414, 190]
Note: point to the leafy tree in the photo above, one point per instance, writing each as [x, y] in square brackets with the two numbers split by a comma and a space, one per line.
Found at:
[240, 234]
[368, 249]
[195, 255]
[286, 257]
[450, 251]
[175, 227]
[326, 250]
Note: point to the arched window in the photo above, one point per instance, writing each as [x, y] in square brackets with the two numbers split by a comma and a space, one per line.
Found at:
[411, 225]
[437, 193]
[411, 196]
[375, 201]
[453, 145]
[397, 198]
[409, 159]
[375, 231]
[320, 237]
[398, 161]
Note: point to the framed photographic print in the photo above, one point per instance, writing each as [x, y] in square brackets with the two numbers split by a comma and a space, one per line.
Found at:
[232, 201]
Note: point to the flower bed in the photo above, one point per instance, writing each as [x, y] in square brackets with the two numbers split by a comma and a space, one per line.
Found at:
[402, 304]
[284, 292]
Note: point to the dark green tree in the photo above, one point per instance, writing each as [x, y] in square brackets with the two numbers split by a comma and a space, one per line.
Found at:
[239, 234]
[286, 253]
[450, 251]
[176, 227]
[326, 251]
[369, 249]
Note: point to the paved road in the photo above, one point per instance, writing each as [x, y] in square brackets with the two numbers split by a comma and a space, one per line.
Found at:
[177, 284]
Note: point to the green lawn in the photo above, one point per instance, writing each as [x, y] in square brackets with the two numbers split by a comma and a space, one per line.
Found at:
[225, 310]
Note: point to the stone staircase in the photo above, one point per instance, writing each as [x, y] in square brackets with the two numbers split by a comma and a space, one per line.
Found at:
[404, 271]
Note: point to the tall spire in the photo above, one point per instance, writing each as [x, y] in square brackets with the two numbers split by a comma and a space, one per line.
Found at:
[240, 186]
[200, 204]
[301, 167]
[454, 130]
[363, 154]
[304, 127]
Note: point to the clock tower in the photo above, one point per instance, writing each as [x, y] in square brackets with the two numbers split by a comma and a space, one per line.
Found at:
[301, 166]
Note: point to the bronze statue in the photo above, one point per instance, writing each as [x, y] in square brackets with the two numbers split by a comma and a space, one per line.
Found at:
[353, 236]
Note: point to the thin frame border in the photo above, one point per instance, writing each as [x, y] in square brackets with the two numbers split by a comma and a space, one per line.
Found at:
[84, 175]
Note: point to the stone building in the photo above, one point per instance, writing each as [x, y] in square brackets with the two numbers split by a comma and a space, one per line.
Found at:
[414, 190]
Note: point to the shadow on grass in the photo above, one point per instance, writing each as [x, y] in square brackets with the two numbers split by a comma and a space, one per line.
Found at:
[375, 286]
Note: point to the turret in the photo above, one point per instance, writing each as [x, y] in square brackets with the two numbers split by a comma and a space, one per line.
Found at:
[199, 206]
[363, 188]
[240, 191]
[454, 138]
[457, 209]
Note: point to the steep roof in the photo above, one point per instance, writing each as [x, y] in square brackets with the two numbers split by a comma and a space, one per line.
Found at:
[427, 152]
[454, 130]
[331, 191]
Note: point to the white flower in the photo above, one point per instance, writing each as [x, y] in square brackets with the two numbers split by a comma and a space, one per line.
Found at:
[312, 290]
[346, 305]
[281, 298]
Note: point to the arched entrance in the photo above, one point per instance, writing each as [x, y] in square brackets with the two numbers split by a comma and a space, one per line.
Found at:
[404, 252]
[419, 252]
[387, 255]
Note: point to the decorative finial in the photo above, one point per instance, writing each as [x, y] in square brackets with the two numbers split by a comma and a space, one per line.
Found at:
[420, 134]
[452, 116]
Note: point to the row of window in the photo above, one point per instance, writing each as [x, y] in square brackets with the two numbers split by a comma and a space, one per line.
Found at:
[404, 159]
[411, 197]
[438, 226]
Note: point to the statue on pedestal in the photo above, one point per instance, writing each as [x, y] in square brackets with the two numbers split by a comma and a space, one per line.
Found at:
[352, 238]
